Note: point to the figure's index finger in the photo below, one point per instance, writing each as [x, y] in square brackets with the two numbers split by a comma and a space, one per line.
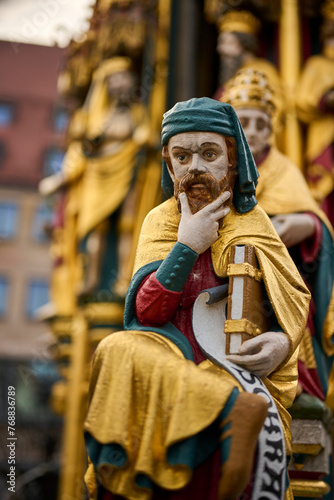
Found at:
[185, 209]
[218, 202]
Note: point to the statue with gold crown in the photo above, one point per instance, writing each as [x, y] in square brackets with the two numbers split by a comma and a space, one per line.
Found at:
[175, 411]
[237, 47]
[283, 194]
[315, 104]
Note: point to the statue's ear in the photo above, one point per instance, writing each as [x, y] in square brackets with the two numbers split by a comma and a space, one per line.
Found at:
[168, 163]
[170, 171]
[167, 180]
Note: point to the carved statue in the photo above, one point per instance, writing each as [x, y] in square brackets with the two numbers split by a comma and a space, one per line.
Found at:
[315, 104]
[283, 194]
[106, 162]
[114, 136]
[163, 416]
[237, 47]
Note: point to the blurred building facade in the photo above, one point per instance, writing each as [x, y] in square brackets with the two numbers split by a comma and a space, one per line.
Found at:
[31, 131]
[31, 135]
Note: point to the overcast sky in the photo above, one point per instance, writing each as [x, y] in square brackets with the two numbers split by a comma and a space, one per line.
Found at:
[43, 22]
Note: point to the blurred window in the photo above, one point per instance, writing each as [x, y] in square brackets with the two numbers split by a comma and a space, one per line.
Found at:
[60, 120]
[38, 295]
[2, 152]
[42, 220]
[8, 219]
[6, 113]
[3, 295]
[53, 161]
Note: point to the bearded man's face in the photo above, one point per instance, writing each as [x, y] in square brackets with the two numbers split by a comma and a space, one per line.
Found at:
[231, 56]
[199, 167]
[119, 85]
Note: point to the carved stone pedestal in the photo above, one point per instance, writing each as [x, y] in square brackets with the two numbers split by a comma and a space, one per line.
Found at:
[311, 446]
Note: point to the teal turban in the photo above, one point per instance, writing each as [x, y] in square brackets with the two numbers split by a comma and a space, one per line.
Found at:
[208, 115]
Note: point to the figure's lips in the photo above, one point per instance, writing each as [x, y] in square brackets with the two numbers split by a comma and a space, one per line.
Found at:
[197, 185]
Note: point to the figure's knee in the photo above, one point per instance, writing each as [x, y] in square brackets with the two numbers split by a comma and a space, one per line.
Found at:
[112, 341]
[122, 340]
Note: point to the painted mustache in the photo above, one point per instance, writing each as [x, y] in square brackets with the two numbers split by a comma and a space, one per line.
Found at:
[203, 184]
[201, 189]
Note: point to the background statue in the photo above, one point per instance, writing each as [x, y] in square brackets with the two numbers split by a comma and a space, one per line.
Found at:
[284, 195]
[114, 136]
[315, 103]
[156, 401]
[99, 174]
[238, 46]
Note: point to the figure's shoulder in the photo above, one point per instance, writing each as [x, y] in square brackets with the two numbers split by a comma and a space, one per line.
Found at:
[252, 222]
[163, 215]
[258, 215]
[263, 63]
[166, 207]
[265, 66]
[317, 59]
[316, 63]
[282, 163]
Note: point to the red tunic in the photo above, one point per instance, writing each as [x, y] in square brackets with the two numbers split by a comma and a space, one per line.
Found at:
[155, 305]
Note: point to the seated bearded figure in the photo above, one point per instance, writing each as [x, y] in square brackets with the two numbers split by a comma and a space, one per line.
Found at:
[170, 417]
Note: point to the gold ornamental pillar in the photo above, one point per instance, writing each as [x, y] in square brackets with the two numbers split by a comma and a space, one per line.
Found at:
[290, 48]
[158, 102]
[73, 460]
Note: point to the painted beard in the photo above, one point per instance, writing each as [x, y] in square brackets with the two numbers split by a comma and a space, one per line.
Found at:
[201, 190]
[229, 65]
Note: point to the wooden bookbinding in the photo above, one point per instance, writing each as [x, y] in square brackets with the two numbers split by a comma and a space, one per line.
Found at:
[246, 295]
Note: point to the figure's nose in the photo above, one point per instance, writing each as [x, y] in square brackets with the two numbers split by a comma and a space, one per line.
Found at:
[197, 165]
[251, 129]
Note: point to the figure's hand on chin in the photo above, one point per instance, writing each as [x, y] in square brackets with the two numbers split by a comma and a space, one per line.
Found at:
[262, 354]
[293, 228]
[200, 230]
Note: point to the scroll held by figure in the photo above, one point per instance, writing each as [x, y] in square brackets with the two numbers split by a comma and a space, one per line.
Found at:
[239, 307]
[165, 420]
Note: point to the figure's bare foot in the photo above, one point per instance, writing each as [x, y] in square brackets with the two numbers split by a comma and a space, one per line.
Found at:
[245, 423]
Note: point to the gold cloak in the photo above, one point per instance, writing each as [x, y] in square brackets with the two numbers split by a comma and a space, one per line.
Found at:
[285, 288]
[66, 275]
[107, 180]
[282, 188]
[152, 397]
[317, 79]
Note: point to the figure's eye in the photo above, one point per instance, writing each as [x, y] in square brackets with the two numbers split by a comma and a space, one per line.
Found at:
[260, 124]
[210, 155]
[182, 158]
[244, 121]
